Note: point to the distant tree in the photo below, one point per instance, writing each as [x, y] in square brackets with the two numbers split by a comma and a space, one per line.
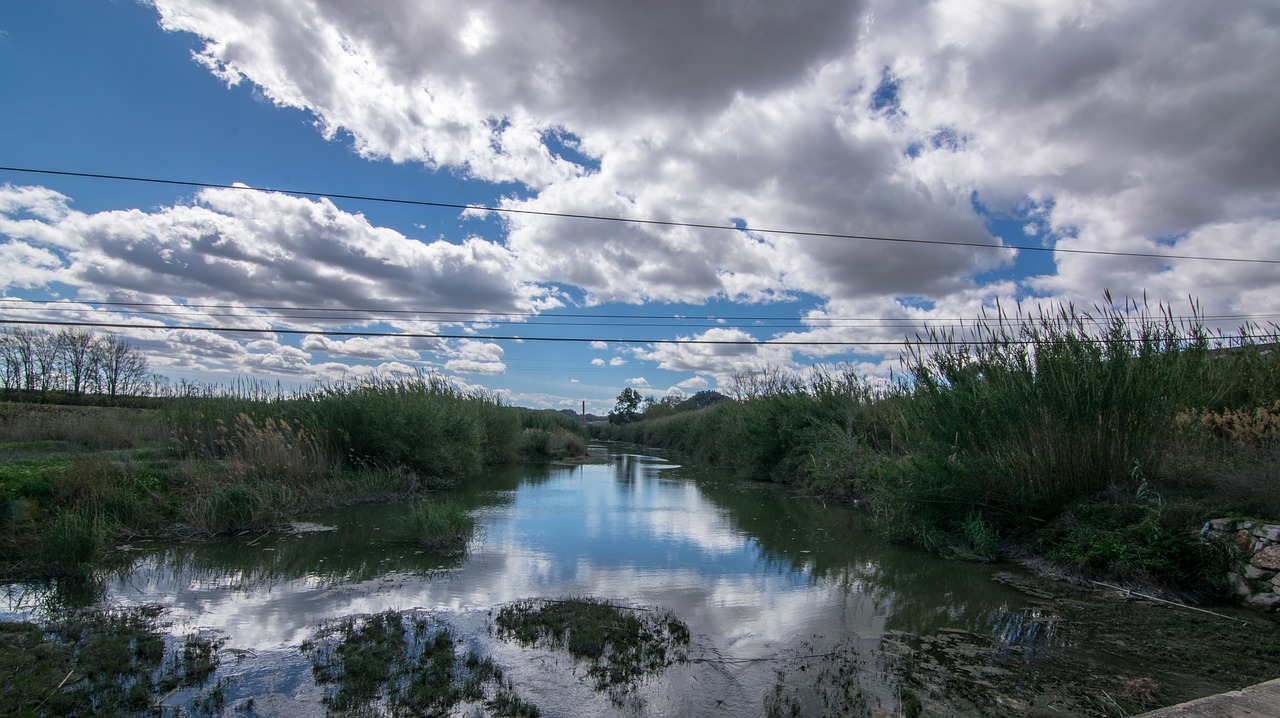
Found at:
[12, 366]
[666, 406]
[627, 409]
[78, 359]
[122, 370]
[703, 399]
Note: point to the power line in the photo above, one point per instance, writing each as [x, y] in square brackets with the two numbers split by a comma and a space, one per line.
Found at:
[637, 220]
[490, 337]
[493, 317]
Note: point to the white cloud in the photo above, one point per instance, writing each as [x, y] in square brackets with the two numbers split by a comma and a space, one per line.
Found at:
[638, 381]
[597, 362]
[722, 360]
[617, 361]
[1138, 126]
[602, 346]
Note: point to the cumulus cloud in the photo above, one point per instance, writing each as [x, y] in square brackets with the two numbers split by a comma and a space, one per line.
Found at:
[719, 360]
[1124, 125]
[1135, 127]
[232, 250]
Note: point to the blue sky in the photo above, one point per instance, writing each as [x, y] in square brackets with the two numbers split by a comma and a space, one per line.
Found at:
[1142, 129]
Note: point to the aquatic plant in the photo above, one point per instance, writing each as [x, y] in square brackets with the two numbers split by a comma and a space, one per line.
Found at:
[437, 525]
[407, 665]
[621, 643]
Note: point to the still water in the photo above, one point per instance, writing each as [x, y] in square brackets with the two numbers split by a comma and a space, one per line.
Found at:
[785, 597]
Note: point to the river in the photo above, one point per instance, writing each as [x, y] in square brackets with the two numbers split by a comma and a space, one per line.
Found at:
[792, 607]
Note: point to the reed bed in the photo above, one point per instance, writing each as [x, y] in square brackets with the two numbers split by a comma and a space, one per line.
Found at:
[1015, 426]
[247, 458]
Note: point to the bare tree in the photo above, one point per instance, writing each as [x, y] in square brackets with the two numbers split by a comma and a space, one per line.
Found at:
[11, 365]
[78, 359]
[121, 369]
[20, 351]
[45, 351]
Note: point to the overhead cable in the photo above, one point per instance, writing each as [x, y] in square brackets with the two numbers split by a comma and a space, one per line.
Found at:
[637, 220]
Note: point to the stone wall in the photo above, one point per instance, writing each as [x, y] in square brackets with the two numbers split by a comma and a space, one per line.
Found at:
[1256, 576]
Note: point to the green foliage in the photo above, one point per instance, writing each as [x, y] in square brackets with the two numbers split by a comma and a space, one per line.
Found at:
[621, 644]
[998, 430]
[97, 663]
[627, 408]
[438, 525]
[399, 664]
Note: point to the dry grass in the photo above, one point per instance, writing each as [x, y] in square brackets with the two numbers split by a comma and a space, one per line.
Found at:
[273, 449]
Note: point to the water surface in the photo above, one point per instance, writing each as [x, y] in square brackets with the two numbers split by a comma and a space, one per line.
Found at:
[785, 596]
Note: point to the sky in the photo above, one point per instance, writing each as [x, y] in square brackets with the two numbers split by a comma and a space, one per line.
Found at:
[761, 142]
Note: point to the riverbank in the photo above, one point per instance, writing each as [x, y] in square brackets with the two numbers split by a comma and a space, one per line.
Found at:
[1100, 443]
[76, 481]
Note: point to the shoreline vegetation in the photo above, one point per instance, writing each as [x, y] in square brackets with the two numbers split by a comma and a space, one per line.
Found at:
[1094, 444]
[76, 480]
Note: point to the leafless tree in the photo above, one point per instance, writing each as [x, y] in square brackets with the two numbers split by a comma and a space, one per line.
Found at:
[121, 369]
[78, 360]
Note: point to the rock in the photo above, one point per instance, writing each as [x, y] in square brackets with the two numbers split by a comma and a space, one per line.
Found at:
[1253, 573]
[1239, 586]
[1245, 526]
[1223, 525]
[1244, 540]
[1275, 581]
[1268, 558]
[1265, 601]
[1270, 532]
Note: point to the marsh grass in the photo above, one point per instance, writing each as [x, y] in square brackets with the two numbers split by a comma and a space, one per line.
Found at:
[98, 662]
[442, 526]
[996, 430]
[84, 427]
[621, 644]
[248, 458]
[404, 664]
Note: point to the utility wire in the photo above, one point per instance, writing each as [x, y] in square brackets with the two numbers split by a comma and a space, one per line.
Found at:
[918, 341]
[673, 320]
[637, 220]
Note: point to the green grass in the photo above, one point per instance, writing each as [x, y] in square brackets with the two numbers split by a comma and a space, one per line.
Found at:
[403, 664]
[1021, 423]
[102, 662]
[437, 525]
[621, 644]
[75, 480]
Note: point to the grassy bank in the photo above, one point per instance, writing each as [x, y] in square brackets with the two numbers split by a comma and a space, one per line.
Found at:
[1101, 441]
[76, 480]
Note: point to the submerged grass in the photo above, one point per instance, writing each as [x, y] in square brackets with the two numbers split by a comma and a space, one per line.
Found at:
[404, 664]
[622, 644]
[101, 662]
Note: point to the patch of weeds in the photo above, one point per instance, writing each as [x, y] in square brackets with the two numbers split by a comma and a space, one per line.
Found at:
[89, 663]
[1136, 541]
[441, 526]
[403, 665]
[621, 644]
[980, 540]
[781, 702]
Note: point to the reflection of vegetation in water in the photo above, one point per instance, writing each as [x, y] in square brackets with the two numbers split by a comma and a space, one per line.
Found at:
[403, 665]
[102, 662]
[622, 644]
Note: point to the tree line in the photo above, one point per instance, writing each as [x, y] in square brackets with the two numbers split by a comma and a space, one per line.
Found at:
[74, 361]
